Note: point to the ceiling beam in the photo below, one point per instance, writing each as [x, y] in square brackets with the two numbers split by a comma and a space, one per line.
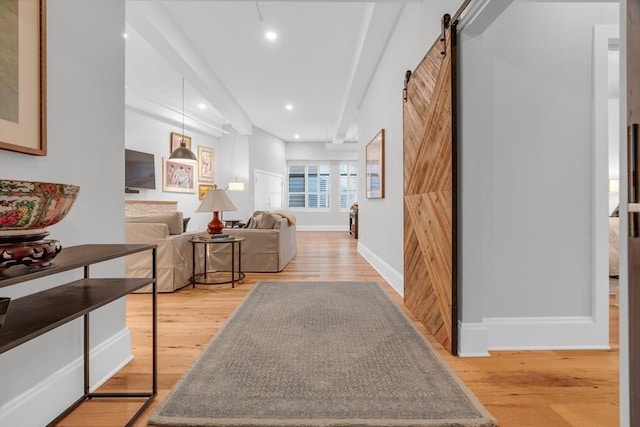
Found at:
[155, 25]
[377, 27]
[158, 110]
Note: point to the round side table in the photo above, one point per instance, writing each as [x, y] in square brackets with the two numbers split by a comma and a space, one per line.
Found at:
[216, 277]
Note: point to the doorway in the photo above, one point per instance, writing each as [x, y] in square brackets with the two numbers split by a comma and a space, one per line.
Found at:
[267, 191]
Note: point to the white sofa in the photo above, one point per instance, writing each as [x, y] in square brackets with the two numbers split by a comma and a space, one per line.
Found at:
[174, 254]
[266, 248]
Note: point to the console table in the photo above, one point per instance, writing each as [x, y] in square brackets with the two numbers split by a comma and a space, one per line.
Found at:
[33, 315]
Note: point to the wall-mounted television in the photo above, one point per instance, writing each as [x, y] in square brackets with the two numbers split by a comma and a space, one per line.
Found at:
[139, 170]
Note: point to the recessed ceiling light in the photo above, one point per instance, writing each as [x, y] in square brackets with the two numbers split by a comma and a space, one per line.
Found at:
[288, 107]
[296, 136]
[202, 105]
[271, 35]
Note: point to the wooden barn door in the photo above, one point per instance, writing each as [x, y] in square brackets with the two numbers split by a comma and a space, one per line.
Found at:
[430, 190]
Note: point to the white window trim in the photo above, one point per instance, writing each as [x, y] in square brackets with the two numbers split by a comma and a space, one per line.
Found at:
[306, 192]
[346, 209]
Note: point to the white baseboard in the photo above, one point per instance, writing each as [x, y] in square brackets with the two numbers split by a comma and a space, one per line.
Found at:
[472, 340]
[545, 333]
[344, 228]
[530, 333]
[46, 400]
[108, 357]
[395, 279]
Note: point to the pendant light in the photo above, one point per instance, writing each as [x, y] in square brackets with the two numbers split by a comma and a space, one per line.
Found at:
[182, 152]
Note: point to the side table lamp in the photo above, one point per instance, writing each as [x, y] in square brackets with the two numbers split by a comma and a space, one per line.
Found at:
[216, 201]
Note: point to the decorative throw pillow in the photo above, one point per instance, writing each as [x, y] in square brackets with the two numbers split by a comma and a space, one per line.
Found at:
[268, 221]
[185, 222]
[255, 221]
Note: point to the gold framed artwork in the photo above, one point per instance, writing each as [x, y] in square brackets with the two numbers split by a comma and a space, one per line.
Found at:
[175, 141]
[203, 189]
[206, 164]
[374, 155]
[178, 177]
[23, 118]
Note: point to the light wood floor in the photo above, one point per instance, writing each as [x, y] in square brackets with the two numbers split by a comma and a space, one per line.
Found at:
[520, 389]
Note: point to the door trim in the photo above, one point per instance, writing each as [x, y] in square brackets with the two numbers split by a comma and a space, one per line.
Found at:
[602, 35]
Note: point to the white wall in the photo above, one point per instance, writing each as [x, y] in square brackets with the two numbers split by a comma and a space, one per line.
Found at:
[334, 219]
[527, 170]
[527, 145]
[233, 163]
[381, 220]
[321, 151]
[150, 135]
[85, 99]
[266, 153]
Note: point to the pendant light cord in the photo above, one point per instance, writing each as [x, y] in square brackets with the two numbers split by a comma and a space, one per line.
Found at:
[183, 152]
[183, 142]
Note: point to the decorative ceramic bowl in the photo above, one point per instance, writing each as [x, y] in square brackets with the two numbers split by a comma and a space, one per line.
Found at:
[28, 207]
[37, 254]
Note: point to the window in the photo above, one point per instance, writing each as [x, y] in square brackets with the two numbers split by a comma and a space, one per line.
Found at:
[309, 186]
[348, 185]
[296, 186]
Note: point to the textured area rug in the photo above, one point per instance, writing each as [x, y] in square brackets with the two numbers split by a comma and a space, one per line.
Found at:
[320, 354]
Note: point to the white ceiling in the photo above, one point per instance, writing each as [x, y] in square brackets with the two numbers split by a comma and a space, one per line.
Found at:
[321, 63]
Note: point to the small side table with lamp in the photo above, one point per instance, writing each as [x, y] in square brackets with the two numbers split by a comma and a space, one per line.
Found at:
[216, 201]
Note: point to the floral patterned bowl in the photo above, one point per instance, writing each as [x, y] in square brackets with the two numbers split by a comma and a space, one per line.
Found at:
[28, 207]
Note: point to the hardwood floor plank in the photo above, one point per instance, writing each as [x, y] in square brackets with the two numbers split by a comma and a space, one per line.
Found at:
[520, 388]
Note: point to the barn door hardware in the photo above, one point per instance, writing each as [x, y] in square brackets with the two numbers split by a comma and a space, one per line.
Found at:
[407, 76]
[446, 21]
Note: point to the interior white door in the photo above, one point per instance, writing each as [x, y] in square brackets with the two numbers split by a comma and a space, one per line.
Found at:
[268, 191]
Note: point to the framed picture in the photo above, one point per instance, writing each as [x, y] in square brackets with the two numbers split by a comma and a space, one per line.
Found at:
[178, 177]
[203, 189]
[175, 141]
[23, 118]
[206, 164]
[375, 167]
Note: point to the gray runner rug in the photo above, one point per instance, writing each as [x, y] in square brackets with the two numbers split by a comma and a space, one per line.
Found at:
[320, 354]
